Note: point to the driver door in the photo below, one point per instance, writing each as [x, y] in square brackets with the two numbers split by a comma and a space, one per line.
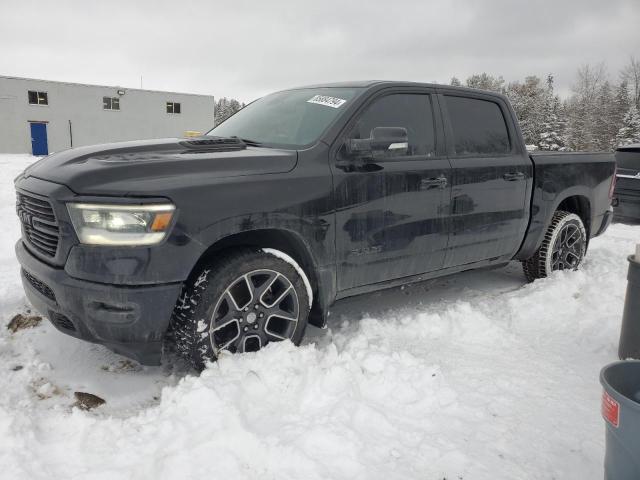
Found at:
[390, 208]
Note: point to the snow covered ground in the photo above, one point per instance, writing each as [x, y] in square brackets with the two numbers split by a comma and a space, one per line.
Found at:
[475, 376]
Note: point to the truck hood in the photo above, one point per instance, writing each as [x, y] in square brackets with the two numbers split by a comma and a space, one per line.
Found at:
[145, 166]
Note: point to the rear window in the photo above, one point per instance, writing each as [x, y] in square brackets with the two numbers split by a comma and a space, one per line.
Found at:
[478, 126]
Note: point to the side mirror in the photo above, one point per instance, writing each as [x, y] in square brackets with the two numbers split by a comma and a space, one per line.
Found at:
[383, 141]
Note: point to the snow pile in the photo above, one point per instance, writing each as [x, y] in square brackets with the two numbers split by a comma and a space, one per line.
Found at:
[476, 376]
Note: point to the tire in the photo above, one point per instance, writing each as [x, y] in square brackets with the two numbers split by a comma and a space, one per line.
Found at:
[253, 295]
[563, 247]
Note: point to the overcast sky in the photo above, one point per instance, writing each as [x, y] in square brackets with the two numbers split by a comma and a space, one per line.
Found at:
[245, 49]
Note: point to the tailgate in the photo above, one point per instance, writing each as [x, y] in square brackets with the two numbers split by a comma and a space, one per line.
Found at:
[627, 183]
[628, 174]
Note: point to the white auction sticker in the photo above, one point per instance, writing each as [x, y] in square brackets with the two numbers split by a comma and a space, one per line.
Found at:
[327, 101]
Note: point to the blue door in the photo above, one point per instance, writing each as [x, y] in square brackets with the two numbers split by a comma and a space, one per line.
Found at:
[39, 144]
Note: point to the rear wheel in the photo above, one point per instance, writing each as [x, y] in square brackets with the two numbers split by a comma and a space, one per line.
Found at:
[563, 248]
[240, 304]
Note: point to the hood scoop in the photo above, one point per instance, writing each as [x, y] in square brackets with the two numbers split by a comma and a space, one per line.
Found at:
[213, 144]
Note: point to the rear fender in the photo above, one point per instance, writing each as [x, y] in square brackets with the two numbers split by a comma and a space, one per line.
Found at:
[546, 202]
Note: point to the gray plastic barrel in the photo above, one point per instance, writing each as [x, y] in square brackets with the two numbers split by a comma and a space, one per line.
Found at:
[621, 411]
[629, 346]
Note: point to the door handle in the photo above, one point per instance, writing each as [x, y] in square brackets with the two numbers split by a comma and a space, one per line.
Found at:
[513, 176]
[429, 183]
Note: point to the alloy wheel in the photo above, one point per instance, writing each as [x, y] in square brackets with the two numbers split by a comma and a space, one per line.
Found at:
[256, 308]
[568, 248]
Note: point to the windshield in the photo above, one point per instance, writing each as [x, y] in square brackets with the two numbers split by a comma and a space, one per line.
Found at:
[293, 118]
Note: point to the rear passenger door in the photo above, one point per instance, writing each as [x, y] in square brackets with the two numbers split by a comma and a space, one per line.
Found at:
[491, 179]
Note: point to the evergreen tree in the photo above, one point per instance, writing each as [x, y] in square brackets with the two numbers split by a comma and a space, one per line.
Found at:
[630, 131]
[604, 121]
[528, 100]
[562, 125]
[225, 107]
[455, 82]
[621, 103]
[552, 128]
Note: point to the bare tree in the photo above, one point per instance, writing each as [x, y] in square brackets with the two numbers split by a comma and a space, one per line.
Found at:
[484, 81]
[583, 108]
[631, 74]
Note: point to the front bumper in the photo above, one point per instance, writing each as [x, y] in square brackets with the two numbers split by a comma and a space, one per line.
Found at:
[130, 320]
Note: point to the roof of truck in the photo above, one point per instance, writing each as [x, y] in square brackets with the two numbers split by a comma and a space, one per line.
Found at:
[390, 83]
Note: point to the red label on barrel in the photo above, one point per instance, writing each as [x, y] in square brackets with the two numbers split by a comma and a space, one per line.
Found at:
[610, 409]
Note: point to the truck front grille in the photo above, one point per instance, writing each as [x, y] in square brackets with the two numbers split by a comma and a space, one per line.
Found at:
[39, 224]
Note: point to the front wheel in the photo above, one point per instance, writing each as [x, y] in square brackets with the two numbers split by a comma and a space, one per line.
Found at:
[563, 248]
[239, 304]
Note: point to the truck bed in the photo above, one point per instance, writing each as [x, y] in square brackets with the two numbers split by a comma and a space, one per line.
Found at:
[568, 176]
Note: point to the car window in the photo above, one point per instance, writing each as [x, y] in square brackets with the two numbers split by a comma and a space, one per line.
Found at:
[410, 111]
[478, 126]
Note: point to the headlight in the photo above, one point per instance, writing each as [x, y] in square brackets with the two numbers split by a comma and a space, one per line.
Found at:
[100, 224]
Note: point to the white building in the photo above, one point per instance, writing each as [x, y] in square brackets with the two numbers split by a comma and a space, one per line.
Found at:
[40, 116]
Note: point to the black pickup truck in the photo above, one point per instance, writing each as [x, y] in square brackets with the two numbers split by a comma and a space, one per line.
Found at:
[626, 197]
[241, 237]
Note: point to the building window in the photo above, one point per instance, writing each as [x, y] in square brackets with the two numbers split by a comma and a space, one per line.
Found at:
[110, 103]
[173, 107]
[38, 98]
